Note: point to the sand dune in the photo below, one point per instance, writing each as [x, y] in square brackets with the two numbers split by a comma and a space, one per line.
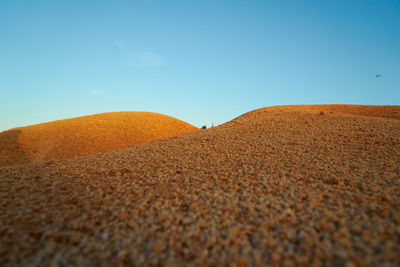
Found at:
[389, 112]
[277, 186]
[86, 135]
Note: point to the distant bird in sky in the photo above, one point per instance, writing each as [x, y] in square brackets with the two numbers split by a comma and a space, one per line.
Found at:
[378, 76]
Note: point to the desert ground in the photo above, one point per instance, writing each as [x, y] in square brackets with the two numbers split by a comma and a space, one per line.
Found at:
[86, 135]
[287, 185]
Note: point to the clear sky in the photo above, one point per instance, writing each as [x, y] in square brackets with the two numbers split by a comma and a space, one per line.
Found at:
[199, 61]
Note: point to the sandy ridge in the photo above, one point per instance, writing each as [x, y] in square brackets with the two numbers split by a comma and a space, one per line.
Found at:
[276, 186]
[86, 135]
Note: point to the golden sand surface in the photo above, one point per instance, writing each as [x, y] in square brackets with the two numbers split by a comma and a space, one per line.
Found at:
[86, 135]
[277, 186]
[389, 112]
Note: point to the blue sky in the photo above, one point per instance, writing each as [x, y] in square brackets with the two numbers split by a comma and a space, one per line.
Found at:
[199, 61]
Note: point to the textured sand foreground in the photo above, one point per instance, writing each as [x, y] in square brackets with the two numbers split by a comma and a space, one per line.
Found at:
[281, 185]
[86, 135]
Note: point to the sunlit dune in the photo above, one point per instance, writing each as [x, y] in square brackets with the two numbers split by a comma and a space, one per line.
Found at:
[389, 112]
[278, 186]
[86, 135]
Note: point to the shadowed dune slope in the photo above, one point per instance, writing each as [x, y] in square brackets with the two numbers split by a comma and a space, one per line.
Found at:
[86, 135]
[280, 186]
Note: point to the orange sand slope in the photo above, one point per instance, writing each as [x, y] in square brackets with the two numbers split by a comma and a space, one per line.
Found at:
[86, 135]
[280, 186]
[388, 112]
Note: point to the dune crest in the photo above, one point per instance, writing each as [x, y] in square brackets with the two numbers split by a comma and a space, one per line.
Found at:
[280, 186]
[63, 139]
[387, 111]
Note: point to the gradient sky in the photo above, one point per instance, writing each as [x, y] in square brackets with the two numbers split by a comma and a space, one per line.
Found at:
[199, 61]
